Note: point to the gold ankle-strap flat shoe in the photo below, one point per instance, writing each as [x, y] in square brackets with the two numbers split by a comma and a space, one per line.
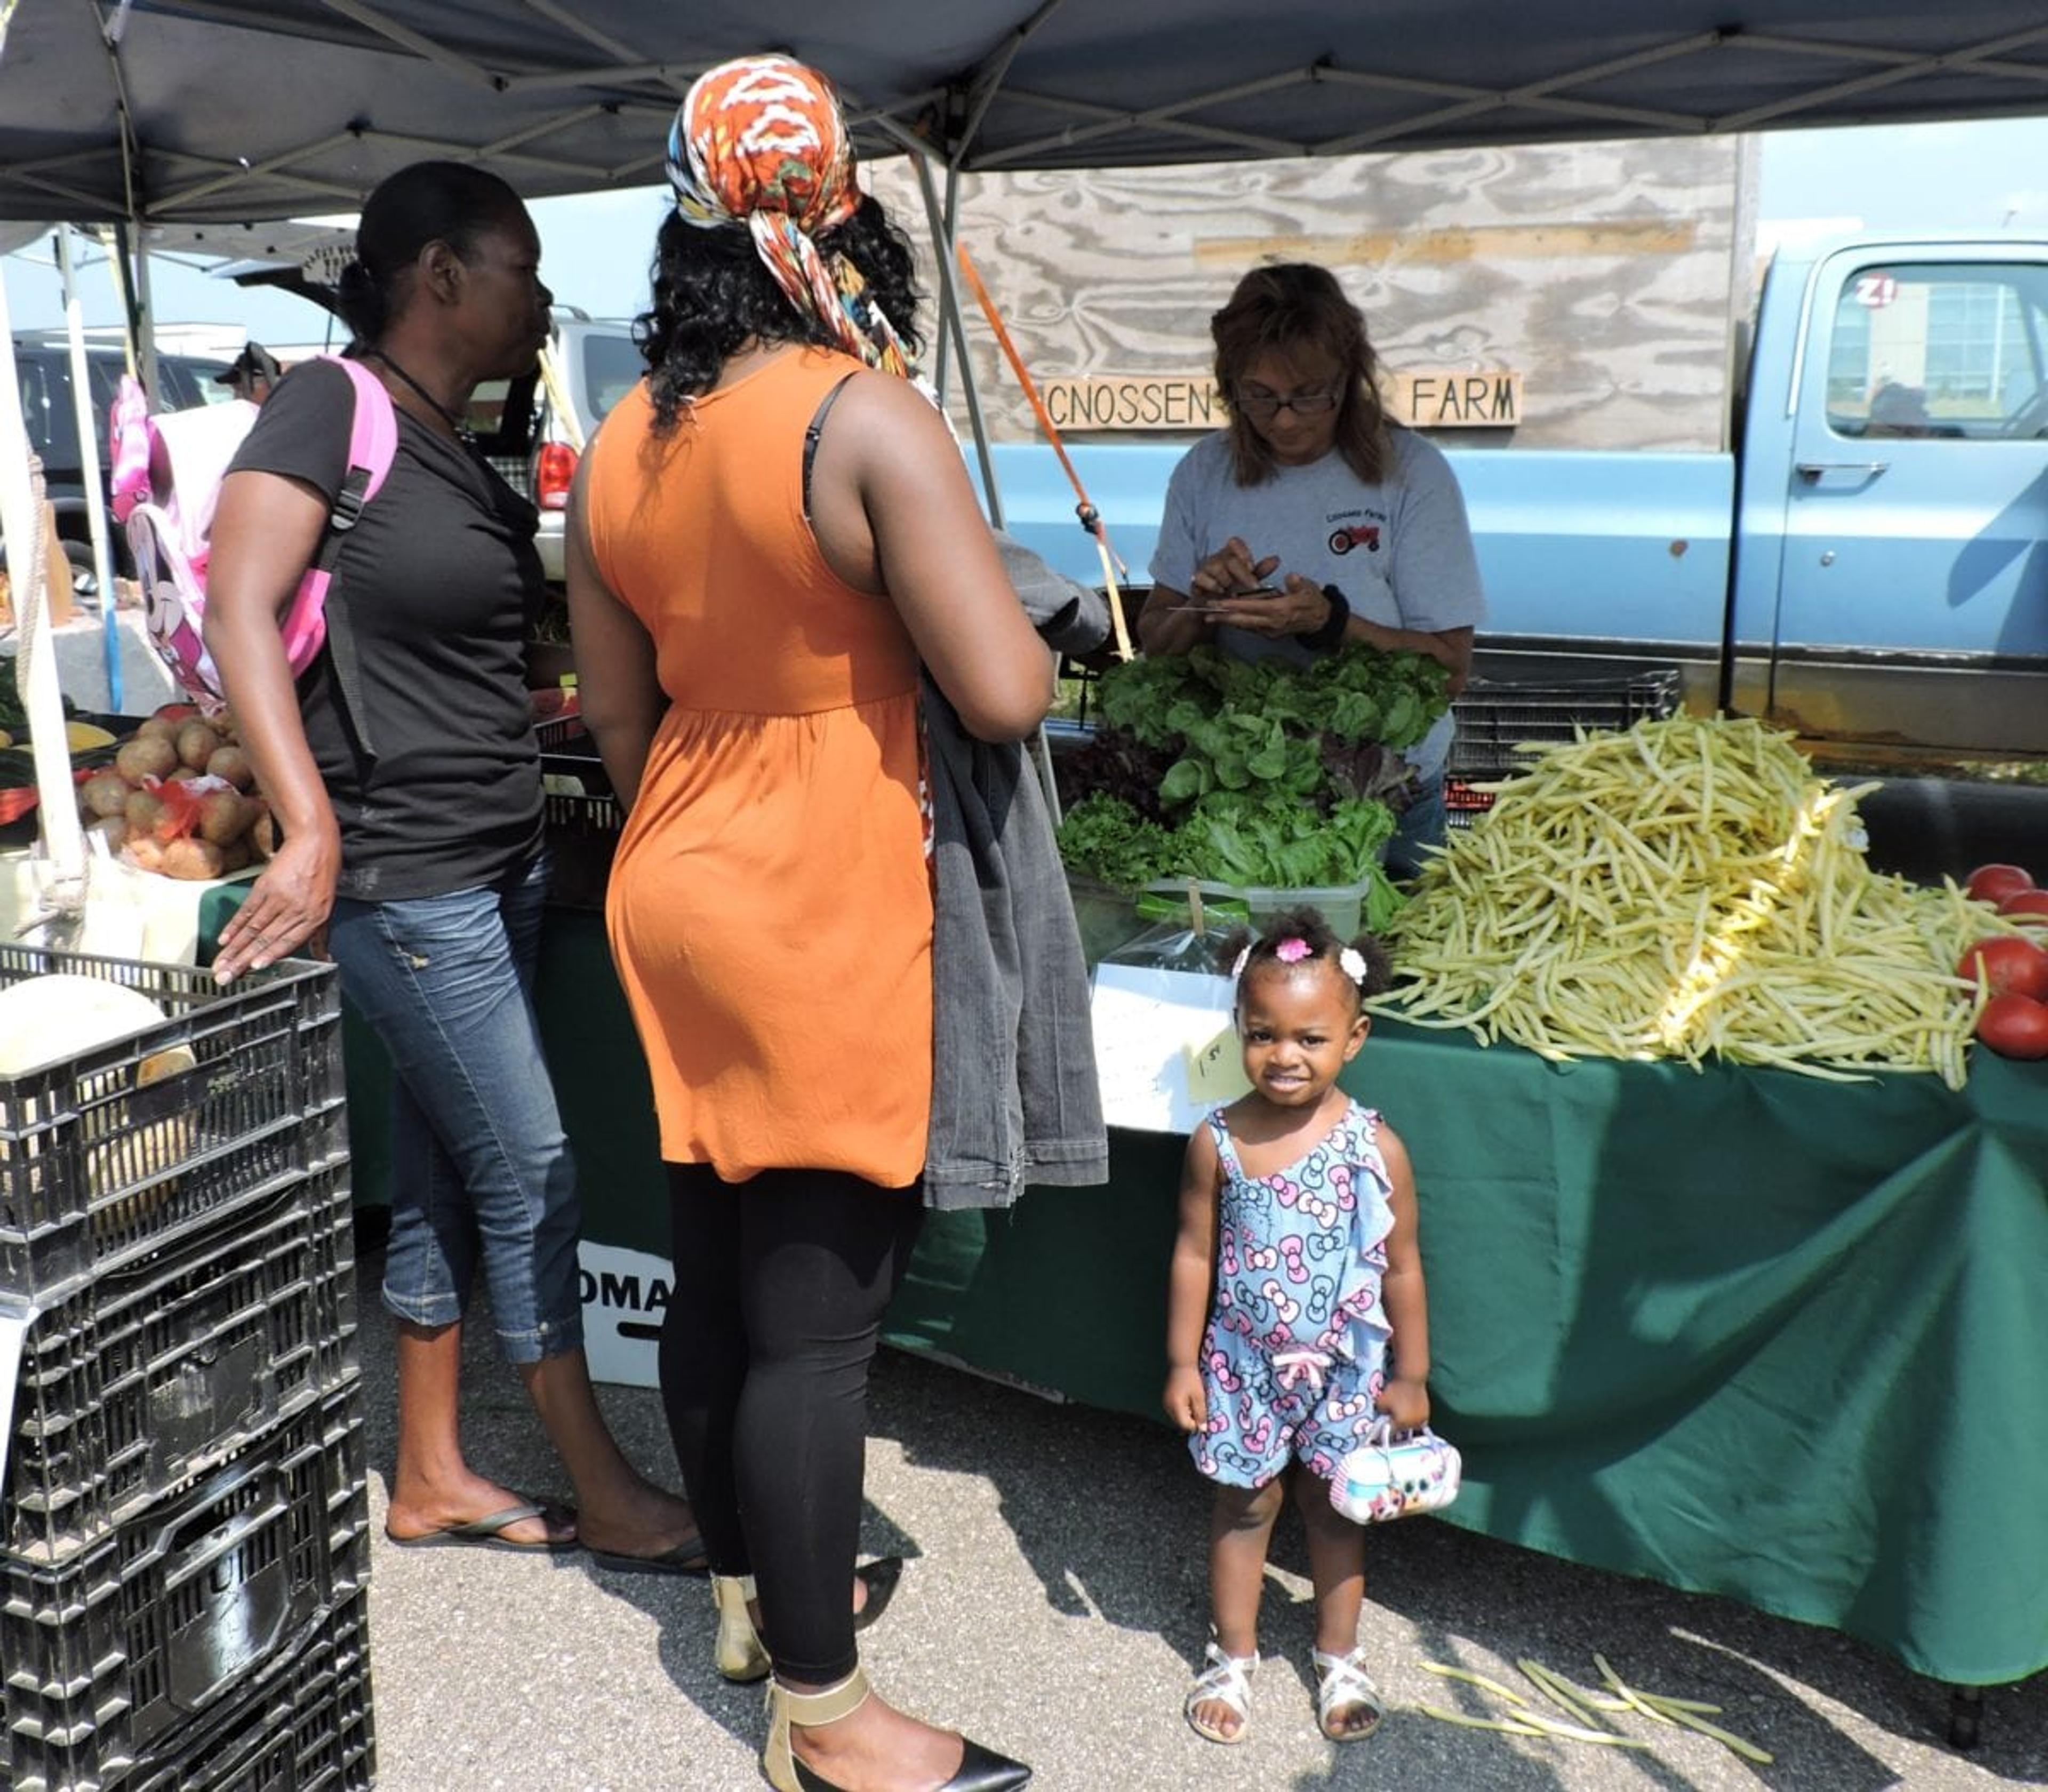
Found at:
[981, 1770]
[740, 1656]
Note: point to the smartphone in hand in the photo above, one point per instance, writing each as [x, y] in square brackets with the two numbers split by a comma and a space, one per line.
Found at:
[1208, 608]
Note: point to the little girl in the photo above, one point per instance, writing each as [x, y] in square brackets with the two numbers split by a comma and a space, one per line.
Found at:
[1297, 1312]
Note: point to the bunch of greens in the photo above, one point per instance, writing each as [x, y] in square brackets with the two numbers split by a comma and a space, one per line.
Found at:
[1273, 773]
[1359, 694]
[1103, 836]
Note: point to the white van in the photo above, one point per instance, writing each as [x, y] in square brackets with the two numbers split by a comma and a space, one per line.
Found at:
[527, 437]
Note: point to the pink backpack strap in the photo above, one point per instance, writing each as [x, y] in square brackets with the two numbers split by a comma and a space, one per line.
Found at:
[372, 435]
[311, 622]
[128, 447]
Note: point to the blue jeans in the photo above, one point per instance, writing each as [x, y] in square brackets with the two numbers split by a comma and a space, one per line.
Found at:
[480, 1167]
[1423, 824]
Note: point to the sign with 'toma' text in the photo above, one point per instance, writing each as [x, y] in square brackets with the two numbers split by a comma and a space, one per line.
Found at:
[1424, 399]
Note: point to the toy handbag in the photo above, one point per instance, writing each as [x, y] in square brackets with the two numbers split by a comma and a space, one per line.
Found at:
[1390, 1477]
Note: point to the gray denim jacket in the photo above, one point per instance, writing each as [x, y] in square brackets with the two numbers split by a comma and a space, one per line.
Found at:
[1014, 1094]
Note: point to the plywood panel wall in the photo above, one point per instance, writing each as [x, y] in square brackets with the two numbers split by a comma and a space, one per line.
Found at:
[1602, 272]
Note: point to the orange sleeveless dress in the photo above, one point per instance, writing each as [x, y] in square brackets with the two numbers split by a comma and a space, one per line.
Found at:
[770, 909]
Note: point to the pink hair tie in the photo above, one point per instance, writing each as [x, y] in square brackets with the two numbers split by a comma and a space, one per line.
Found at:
[1292, 951]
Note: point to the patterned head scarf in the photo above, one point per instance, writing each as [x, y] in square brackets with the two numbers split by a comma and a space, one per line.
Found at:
[761, 141]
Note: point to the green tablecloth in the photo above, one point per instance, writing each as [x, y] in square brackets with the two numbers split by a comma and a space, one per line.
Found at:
[1743, 1332]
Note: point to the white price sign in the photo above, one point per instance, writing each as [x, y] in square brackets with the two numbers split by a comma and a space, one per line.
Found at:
[1164, 1049]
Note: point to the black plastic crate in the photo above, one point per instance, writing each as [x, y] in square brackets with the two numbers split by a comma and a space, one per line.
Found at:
[582, 839]
[118, 1659]
[98, 1165]
[1462, 801]
[554, 733]
[307, 1728]
[152, 1375]
[1504, 728]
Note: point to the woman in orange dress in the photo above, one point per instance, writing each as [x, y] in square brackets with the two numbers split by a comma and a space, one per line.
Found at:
[771, 534]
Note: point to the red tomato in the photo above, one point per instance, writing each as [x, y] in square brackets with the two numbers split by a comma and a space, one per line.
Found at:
[1993, 883]
[2006, 965]
[2028, 905]
[2014, 1027]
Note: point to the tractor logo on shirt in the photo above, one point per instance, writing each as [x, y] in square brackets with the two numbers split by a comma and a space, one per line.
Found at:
[1364, 535]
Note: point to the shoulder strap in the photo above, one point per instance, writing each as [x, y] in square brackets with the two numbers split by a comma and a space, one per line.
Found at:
[816, 428]
[1226, 1146]
[373, 445]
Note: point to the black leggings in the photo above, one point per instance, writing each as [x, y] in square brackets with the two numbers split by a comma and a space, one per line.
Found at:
[780, 1287]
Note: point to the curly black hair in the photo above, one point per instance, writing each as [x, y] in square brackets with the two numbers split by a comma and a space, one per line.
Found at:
[713, 295]
[1308, 925]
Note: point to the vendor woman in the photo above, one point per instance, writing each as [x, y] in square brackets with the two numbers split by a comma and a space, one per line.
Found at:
[1350, 528]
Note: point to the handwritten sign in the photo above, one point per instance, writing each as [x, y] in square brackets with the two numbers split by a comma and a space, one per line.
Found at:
[1424, 399]
[1151, 1028]
[1215, 1072]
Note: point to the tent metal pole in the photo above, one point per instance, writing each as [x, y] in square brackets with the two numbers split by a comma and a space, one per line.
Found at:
[88, 460]
[35, 669]
[942, 253]
[145, 314]
[952, 216]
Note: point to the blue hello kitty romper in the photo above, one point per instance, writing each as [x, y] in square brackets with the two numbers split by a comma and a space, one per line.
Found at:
[1295, 1353]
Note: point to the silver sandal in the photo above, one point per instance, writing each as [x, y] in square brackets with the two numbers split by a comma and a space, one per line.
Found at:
[1225, 1680]
[1342, 1683]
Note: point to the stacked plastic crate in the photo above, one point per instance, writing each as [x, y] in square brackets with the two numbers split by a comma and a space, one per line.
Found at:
[184, 1515]
[1504, 728]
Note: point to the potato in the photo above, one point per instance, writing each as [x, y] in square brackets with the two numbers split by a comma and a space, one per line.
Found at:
[158, 727]
[223, 816]
[104, 793]
[143, 851]
[265, 835]
[145, 756]
[237, 855]
[197, 743]
[144, 810]
[231, 763]
[192, 859]
[113, 829]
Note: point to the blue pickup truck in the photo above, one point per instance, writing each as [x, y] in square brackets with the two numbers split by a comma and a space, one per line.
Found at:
[1868, 565]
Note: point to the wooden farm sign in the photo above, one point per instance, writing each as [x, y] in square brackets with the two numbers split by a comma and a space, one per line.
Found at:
[1425, 398]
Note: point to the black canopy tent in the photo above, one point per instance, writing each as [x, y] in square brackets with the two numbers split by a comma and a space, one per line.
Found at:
[191, 109]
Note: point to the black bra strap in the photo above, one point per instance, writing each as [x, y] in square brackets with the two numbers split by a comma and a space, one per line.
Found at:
[811, 438]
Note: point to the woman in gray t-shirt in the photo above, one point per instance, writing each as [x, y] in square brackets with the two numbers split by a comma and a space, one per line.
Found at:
[1354, 527]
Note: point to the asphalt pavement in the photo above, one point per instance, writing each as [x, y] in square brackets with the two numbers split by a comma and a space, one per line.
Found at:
[1054, 1606]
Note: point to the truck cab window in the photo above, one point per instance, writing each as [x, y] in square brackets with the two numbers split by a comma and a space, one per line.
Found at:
[1952, 351]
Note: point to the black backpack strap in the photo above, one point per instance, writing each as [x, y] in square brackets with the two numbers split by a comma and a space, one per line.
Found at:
[811, 435]
[347, 510]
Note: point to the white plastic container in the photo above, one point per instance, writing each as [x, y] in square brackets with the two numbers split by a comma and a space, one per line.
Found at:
[1342, 905]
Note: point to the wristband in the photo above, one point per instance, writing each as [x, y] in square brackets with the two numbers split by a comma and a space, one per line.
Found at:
[1330, 637]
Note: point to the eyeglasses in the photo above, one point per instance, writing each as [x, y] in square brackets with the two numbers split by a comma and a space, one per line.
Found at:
[1261, 404]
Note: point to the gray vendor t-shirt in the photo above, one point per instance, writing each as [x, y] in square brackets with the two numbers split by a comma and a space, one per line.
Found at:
[1401, 552]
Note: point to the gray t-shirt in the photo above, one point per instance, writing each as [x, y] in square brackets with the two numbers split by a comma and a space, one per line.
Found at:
[1400, 552]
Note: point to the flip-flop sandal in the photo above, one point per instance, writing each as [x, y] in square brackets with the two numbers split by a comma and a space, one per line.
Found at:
[1226, 1680]
[1343, 1683]
[488, 1533]
[687, 1557]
